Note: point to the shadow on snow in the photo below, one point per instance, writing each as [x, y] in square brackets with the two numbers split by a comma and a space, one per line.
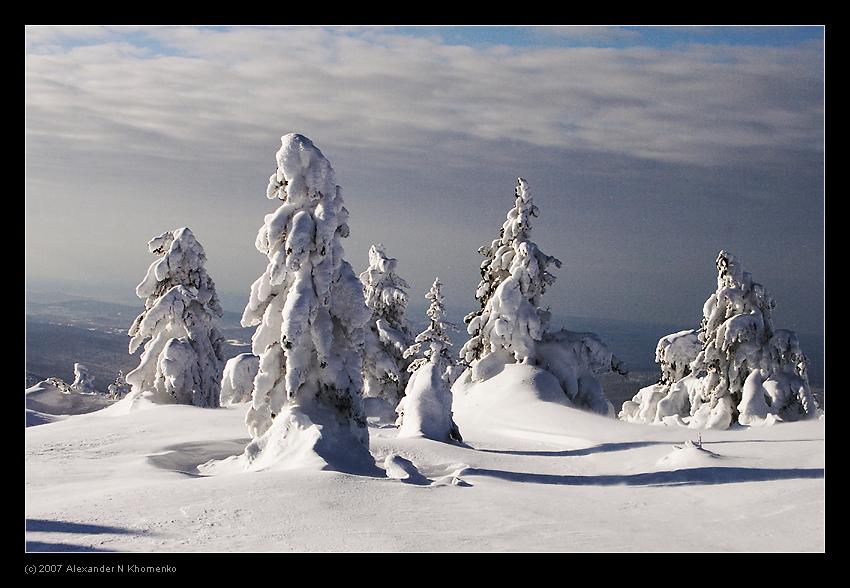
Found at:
[41, 546]
[602, 448]
[48, 526]
[686, 477]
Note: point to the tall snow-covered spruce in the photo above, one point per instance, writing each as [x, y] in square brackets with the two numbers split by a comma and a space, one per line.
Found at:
[512, 327]
[385, 372]
[308, 307]
[182, 359]
[735, 368]
[426, 409]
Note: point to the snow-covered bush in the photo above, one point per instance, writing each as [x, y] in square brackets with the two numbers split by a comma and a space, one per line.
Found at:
[385, 372]
[60, 384]
[237, 381]
[742, 370]
[182, 359]
[310, 315]
[119, 388]
[426, 409]
[511, 325]
[669, 397]
[83, 380]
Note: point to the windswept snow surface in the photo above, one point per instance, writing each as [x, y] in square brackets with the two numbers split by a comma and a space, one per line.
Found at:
[533, 474]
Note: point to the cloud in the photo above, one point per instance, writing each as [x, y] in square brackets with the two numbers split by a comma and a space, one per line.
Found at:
[384, 92]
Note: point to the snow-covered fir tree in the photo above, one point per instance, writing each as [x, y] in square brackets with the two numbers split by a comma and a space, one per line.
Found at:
[514, 276]
[237, 381]
[511, 325]
[310, 315]
[119, 388]
[83, 381]
[426, 409]
[385, 373]
[182, 359]
[742, 369]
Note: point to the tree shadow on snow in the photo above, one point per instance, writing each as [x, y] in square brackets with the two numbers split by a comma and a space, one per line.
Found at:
[41, 547]
[48, 526]
[601, 448]
[744, 441]
[686, 477]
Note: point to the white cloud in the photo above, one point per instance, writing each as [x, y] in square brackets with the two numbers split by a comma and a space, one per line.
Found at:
[703, 104]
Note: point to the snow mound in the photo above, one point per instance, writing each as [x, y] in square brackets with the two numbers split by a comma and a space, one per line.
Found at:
[526, 402]
[687, 456]
[309, 436]
[426, 409]
[399, 468]
[47, 400]
[132, 402]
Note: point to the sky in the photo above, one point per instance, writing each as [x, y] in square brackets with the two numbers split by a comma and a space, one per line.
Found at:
[647, 151]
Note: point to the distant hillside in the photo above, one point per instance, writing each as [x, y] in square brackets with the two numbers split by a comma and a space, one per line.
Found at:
[633, 342]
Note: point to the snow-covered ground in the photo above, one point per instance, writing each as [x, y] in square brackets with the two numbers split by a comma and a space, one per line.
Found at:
[533, 475]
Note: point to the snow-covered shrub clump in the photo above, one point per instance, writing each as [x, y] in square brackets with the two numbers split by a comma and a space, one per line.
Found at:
[308, 307]
[669, 396]
[182, 359]
[83, 380]
[426, 409]
[61, 385]
[237, 381]
[743, 370]
[511, 325]
[119, 388]
[385, 372]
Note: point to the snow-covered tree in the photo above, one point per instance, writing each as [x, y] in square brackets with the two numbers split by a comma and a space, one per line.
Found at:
[514, 278]
[384, 365]
[83, 380]
[669, 396]
[742, 369]
[60, 384]
[182, 359]
[119, 388]
[426, 409]
[310, 315]
[237, 381]
[511, 325]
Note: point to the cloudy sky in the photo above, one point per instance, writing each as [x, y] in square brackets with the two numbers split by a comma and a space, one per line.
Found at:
[647, 150]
